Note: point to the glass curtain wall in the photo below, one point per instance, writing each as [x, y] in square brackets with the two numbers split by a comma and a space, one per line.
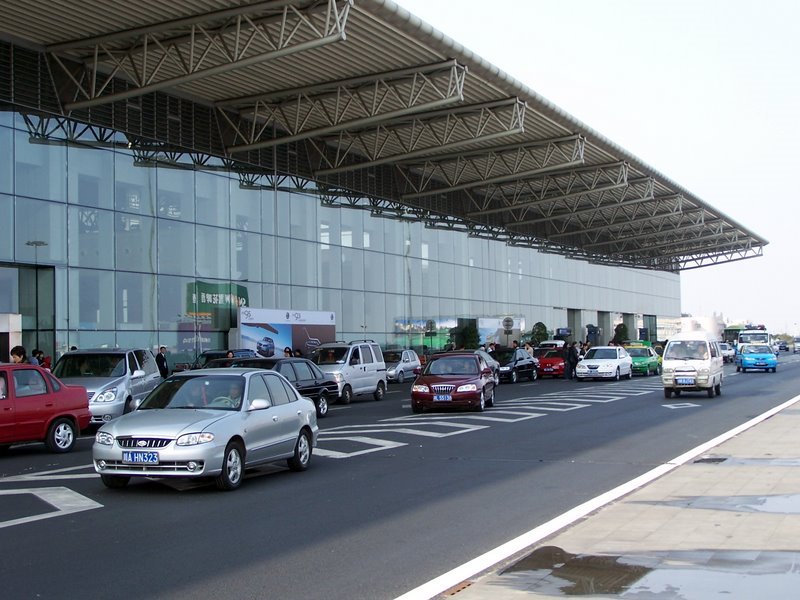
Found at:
[142, 255]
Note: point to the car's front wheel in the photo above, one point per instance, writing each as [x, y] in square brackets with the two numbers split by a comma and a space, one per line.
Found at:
[232, 468]
[490, 399]
[115, 482]
[347, 395]
[401, 377]
[616, 375]
[513, 376]
[481, 402]
[302, 453]
[534, 374]
[61, 436]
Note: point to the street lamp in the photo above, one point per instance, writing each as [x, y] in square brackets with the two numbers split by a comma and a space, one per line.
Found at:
[36, 244]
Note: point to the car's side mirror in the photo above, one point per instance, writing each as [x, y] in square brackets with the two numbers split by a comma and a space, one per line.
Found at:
[137, 374]
[259, 404]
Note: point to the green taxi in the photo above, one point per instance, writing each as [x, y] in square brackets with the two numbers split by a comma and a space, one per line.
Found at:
[645, 360]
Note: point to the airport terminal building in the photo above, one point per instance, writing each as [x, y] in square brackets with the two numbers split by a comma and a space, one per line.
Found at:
[164, 165]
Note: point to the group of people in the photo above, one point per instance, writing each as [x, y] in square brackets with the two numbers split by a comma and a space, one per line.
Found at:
[37, 357]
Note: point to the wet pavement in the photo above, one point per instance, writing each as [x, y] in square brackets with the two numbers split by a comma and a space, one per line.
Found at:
[724, 525]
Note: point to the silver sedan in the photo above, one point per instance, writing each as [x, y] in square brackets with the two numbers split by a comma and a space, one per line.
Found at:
[209, 423]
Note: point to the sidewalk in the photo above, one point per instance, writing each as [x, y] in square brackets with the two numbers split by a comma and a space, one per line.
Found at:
[725, 524]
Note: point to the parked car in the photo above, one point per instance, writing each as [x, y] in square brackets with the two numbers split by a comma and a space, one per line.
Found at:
[303, 374]
[728, 352]
[357, 367]
[453, 380]
[208, 355]
[400, 364]
[209, 423]
[551, 363]
[516, 363]
[116, 379]
[605, 362]
[36, 407]
[756, 356]
[645, 360]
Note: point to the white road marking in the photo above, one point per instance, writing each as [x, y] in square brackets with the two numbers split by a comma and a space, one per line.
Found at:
[63, 500]
[54, 474]
[681, 405]
[378, 446]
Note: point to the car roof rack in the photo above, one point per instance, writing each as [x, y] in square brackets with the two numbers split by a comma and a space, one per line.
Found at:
[360, 341]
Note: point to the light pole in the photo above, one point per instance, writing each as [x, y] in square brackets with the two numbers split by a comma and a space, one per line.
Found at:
[36, 244]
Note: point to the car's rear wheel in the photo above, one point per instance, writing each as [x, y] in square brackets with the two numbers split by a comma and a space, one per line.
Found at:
[322, 404]
[232, 468]
[490, 399]
[630, 373]
[710, 392]
[380, 392]
[61, 436]
[347, 395]
[115, 482]
[401, 377]
[302, 453]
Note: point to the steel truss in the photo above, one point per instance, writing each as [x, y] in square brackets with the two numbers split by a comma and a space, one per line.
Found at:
[341, 105]
[400, 140]
[176, 52]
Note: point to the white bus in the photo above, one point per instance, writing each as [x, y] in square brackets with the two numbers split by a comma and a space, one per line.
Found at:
[754, 336]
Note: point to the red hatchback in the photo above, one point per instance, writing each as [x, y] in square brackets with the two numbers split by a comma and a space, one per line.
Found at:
[453, 380]
[551, 364]
[37, 407]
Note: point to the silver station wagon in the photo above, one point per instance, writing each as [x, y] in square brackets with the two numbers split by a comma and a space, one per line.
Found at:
[209, 423]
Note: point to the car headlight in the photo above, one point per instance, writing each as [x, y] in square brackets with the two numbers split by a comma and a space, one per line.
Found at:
[338, 377]
[418, 387]
[470, 387]
[106, 439]
[108, 395]
[192, 439]
[667, 371]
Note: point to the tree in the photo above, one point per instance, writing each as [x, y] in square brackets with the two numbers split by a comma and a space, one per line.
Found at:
[620, 333]
[470, 337]
[539, 333]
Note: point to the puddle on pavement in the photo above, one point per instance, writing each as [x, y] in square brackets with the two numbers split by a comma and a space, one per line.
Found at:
[698, 575]
[783, 504]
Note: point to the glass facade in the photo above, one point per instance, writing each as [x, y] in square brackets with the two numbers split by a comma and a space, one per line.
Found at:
[138, 254]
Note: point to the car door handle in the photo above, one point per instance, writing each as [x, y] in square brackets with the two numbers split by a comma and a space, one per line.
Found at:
[275, 419]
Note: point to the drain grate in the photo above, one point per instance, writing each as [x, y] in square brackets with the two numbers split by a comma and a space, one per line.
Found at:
[713, 460]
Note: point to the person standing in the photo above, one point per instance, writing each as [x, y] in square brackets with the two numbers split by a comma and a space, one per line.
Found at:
[161, 361]
[19, 355]
[572, 359]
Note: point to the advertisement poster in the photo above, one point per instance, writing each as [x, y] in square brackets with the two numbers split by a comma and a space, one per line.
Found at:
[491, 330]
[269, 331]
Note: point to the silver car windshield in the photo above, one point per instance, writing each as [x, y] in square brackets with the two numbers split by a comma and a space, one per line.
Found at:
[90, 365]
[202, 392]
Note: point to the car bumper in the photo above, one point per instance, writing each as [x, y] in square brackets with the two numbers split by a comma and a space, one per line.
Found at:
[458, 400]
[103, 412]
[595, 374]
[203, 460]
[680, 382]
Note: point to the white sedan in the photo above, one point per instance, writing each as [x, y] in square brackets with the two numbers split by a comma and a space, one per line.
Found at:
[605, 362]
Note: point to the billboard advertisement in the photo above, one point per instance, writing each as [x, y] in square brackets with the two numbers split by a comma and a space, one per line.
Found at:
[269, 331]
[492, 329]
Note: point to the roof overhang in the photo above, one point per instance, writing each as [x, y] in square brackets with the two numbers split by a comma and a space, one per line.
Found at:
[360, 102]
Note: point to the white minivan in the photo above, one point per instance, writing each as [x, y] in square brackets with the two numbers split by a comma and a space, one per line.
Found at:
[692, 362]
[357, 367]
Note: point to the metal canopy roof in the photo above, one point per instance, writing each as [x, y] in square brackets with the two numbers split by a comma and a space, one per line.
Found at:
[380, 110]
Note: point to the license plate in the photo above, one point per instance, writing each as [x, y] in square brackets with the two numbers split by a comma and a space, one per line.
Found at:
[761, 364]
[134, 457]
[685, 380]
[548, 369]
[442, 398]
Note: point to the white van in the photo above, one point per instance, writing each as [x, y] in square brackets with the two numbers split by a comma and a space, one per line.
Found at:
[692, 361]
[357, 367]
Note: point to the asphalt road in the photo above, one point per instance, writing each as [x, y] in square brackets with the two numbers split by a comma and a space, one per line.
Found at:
[391, 500]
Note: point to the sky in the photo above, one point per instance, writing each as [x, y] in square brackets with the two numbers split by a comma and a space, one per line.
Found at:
[706, 92]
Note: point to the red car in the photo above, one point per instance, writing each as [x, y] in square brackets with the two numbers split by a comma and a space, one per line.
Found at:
[453, 380]
[551, 364]
[37, 407]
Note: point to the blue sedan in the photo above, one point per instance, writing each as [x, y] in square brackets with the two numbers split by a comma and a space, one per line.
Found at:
[756, 356]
